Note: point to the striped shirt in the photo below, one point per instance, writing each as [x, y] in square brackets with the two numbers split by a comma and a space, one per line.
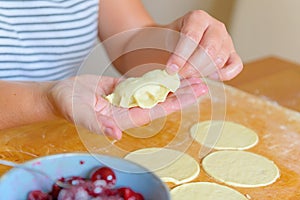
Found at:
[43, 40]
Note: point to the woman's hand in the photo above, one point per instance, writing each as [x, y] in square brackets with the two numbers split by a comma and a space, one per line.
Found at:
[80, 100]
[204, 49]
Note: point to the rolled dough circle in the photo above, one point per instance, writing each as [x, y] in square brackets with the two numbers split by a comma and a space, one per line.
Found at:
[241, 168]
[205, 190]
[223, 135]
[170, 165]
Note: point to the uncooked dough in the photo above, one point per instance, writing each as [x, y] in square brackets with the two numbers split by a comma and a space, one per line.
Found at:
[146, 91]
[241, 168]
[222, 135]
[205, 190]
[170, 165]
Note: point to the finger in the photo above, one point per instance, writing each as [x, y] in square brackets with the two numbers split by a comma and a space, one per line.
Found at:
[232, 68]
[84, 116]
[182, 52]
[199, 64]
[107, 84]
[213, 38]
[224, 53]
[192, 30]
[109, 127]
[100, 122]
[222, 58]
[190, 81]
[183, 97]
[202, 61]
[135, 117]
[128, 118]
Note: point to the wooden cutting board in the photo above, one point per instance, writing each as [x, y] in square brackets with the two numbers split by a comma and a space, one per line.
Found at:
[278, 129]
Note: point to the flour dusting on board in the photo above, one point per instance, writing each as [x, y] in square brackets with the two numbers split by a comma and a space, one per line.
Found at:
[280, 136]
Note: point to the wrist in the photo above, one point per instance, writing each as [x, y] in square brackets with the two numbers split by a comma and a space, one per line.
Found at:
[23, 103]
[46, 108]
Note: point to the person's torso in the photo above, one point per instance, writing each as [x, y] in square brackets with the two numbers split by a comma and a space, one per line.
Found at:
[45, 39]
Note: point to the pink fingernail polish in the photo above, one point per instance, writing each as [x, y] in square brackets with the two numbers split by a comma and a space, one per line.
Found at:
[172, 69]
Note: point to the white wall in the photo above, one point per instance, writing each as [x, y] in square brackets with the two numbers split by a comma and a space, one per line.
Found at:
[259, 27]
[165, 11]
[267, 27]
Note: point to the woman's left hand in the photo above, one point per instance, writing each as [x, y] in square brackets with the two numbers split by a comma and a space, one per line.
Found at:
[204, 48]
[80, 100]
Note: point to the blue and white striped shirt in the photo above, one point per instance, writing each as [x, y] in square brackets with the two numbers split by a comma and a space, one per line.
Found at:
[44, 40]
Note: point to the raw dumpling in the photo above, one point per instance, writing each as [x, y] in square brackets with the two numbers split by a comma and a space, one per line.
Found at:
[146, 91]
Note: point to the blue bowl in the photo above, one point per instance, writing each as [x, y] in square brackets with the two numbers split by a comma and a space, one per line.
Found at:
[16, 183]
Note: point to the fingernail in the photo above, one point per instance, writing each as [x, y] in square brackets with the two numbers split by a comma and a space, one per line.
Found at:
[172, 69]
[97, 106]
[109, 132]
[119, 135]
[211, 50]
[203, 88]
[200, 89]
[195, 80]
[215, 76]
[219, 62]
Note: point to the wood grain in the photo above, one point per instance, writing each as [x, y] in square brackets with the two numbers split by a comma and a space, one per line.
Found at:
[271, 78]
[278, 129]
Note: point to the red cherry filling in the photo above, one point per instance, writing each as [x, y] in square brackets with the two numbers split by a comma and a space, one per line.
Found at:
[74, 180]
[55, 191]
[106, 174]
[139, 196]
[38, 195]
[100, 185]
[129, 194]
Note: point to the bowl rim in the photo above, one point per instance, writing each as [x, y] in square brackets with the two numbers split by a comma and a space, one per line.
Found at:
[93, 155]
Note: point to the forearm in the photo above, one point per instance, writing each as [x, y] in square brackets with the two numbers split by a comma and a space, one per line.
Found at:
[126, 35]
[147, 48]
[23, 103]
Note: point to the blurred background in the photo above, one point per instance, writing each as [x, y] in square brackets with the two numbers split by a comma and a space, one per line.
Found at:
[259, 28]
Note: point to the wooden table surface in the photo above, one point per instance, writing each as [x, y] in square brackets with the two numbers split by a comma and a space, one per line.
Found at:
[278, 128]
[271, 78]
